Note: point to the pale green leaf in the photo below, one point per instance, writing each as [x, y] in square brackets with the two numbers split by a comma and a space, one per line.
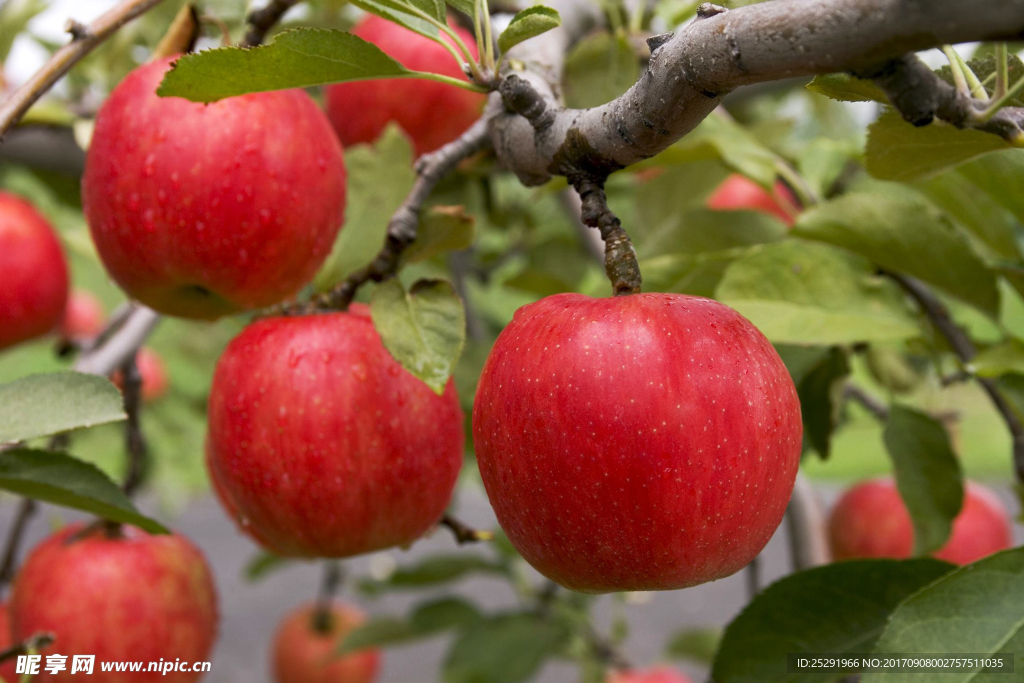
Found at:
[423, 329]
[40, 405]
[442, 229]
[62, 480]
[1000, 359]
[402, 13]
[599, 68]
[526, 24]
[503, 649]
[427, 619]
[808, 293]
[299, 58]
[847, 88]
[927, 473]
[904, 234]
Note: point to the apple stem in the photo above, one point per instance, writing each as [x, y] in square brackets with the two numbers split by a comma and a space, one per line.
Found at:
[135, 440]
[464, 533]
[323, 619]
[619, 256]
[33, 643]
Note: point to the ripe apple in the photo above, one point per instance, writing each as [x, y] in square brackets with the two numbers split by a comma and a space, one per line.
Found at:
[739, 192]
[658, 674]
[83, 316]
[8, 669]
[871, 520]
[305, 654]
[202, 210]
[643, 442]
[33, 272]
[321, 445]
[152, 372]
[122, 595]
[431, 113]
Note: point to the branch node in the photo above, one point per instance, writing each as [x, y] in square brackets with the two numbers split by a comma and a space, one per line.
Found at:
[78, 30]
[521, 98]
[619, 256]
[708, 9]
[654, 42]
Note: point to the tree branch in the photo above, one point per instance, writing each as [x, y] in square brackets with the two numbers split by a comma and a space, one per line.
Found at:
[26, 509]
[135, 440]
[808, 540]
[690, 71]
[430, 169]
[84, 40]
[263, 19]
[965, 350]
[126, 333]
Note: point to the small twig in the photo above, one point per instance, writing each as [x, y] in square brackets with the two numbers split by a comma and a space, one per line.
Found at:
[430, 169]
[181, 36]
[84, 40]
[333, 576]
[135, 440]
[965, 350]
[874, 406]
[26, 509]
[264, 19]
[619, 256]
[33, 643]
[463, 532]
[808, 540]
[125, 334]
[753, 573]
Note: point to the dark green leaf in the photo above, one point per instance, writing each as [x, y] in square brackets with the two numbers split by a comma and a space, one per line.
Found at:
[984, 67]
[438, 569]
[299, 58]
[700, 230]
[423, 329]
[1000, 359]
[402, 14]
[998, 176]
[442, 228]
[427, 619]
[62, 480]
[379, 178]
[975, 609]
[464, 6]
[720, 138]
[659, 201]
[896, 150]
[264, 564]
[527, 24]
[504, 649]
[838, 608]
[695, 644]
[443, 614]
[820, 391]
[847, 88]
[599, 68]
[808, 293]
[51, 403]
[928, 475]
[904, 234]
[697, 275]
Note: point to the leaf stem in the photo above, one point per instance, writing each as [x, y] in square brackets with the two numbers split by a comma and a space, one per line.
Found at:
[958, 73]
[441, 78]
[488, 36]
[1000, 102]
[1002, 70]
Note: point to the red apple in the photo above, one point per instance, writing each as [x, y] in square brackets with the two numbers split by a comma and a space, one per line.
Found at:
[643, 442]
[33, 271]
[658, 674]
[7, 669]
[121, 596]
[201, 210]
[739, 192]
[83, 316]
[431, 113]
[871, 520]
[321, 445]
[305, 654]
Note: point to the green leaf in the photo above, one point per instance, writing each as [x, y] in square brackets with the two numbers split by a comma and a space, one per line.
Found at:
[1000, 359]
[820, 391]
[700, 230]
[720, 138]
[401, 13]
[695, 644]
[527, 24]
[599, 68]
[442, 229]
[14, 17]
[976, 609]
[263, 564]
[464, 6]
[800, 292]
[379, 178]
[51, 403]
[984, 67]
[659, 201]
[427, 619]
[904, 234]
[999, 175]
[897, 150]
[434, 570]
[504, 649]
[697, 275]
[62, 480]
[927, 473]
[838, 608]
[299, 58]
[423, 329]
[847, 88]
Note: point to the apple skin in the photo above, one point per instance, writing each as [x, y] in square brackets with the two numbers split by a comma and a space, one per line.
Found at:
[643, 442]
[321, 445]
[135, 597]
[871, 520]
[432, 113]
[83, 316]
[8, 669]
[34, 273]
[738, 192]
[658, 674]
[304, 655]
[203, 210]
